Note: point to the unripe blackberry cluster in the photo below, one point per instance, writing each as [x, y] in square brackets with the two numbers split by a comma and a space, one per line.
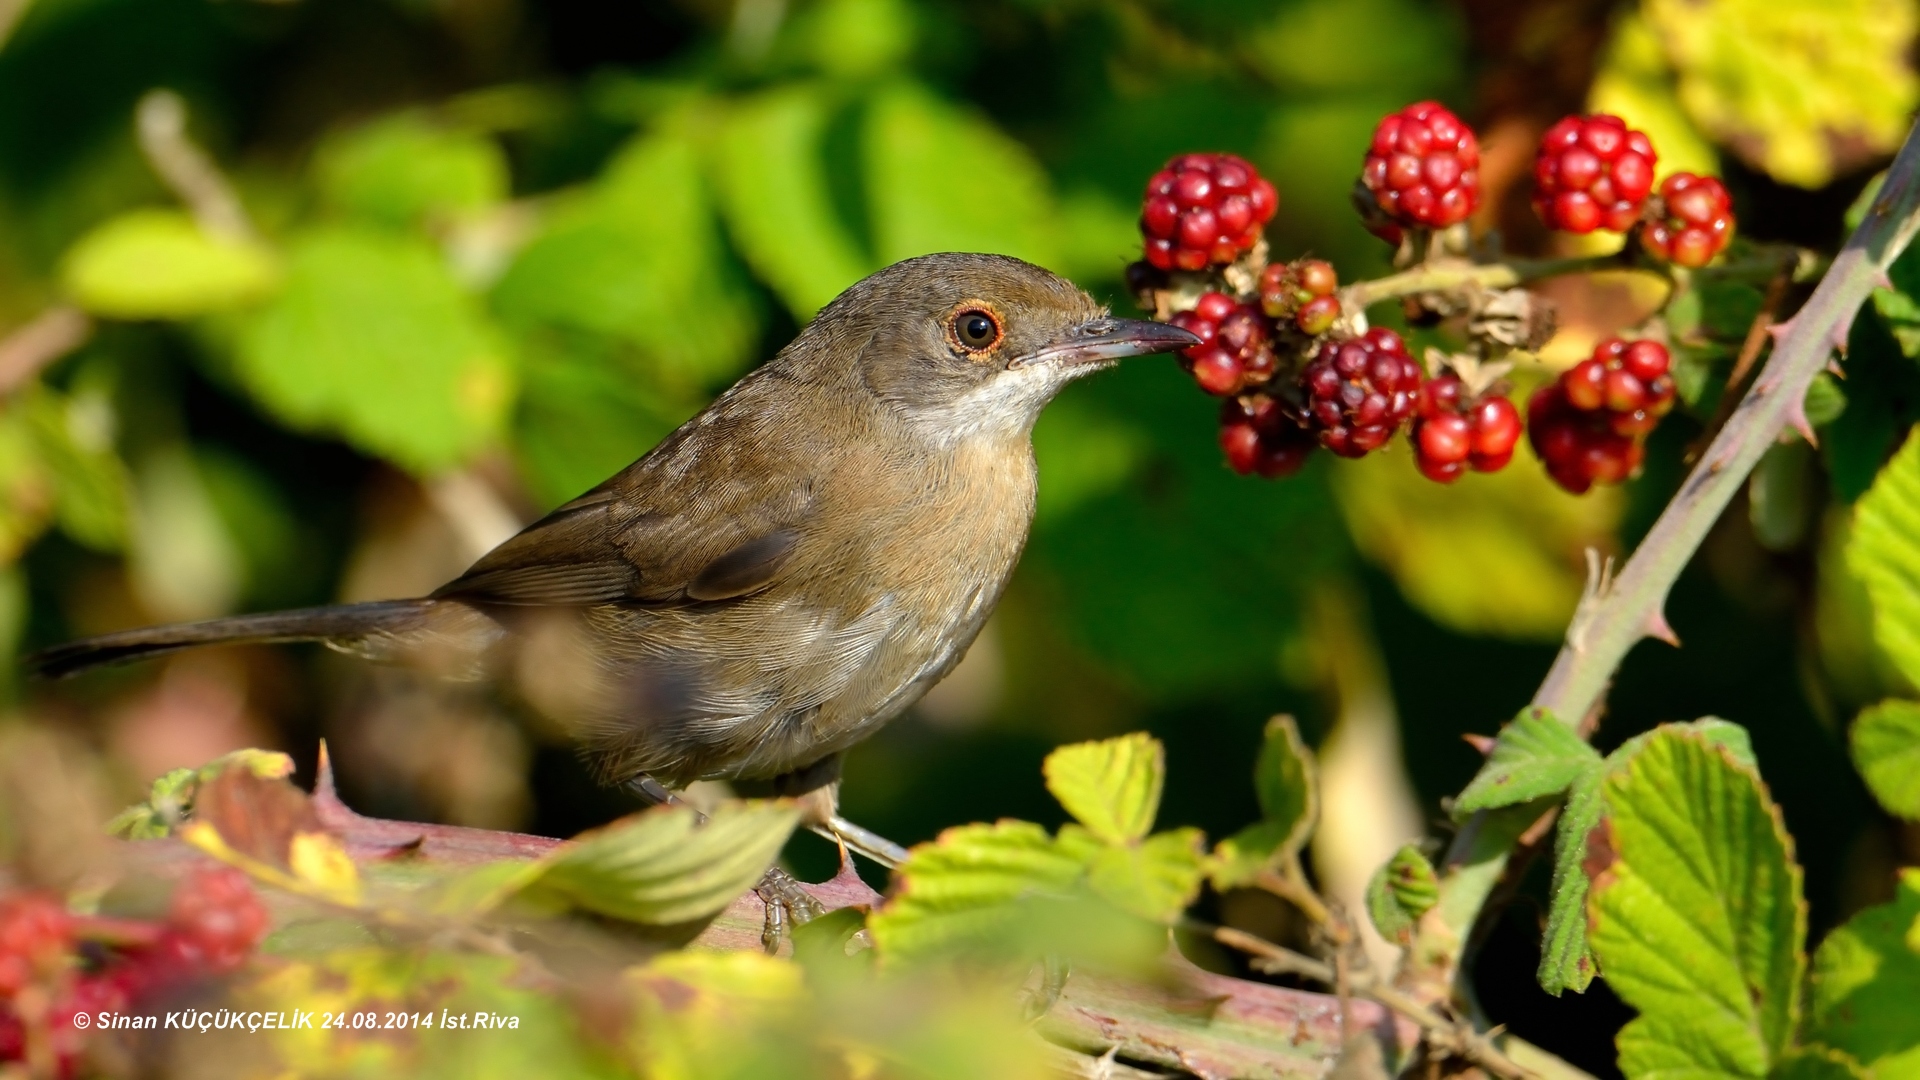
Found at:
[1696, 222]
[1204, 210]
[1302, 292]
[1457, 430]
[1423, 167]
[1260, 435]
[1360, 391]
[53, 968]
[1592, 172]
[1235, 349]
[1590, 425]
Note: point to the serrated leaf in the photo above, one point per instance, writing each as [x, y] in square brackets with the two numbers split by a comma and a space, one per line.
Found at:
[1285, 781]
[402, 168]
[1865, 983]
[778, 202]
[639, 257]
[698, 1011]
[1819, 1063]
[1000, 201]
[1801, 89]
[1635, 83]
[1884, 553]
[372, 337]
[969, 884]
[664, 865]
[1401, 891]
[1699, 920]
[1886, 749]
[1156, 879]
[1536, 755]
[1566, 958]
[1111, 786]
[159, 264]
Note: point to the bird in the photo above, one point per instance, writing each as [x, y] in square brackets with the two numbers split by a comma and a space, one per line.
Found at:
[784, 573]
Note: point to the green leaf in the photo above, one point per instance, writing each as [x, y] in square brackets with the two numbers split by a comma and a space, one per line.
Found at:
[1886, 750]
[1698, 920]
[1536, 755]
[372, 338]
[1885, 555]
[778, 202]
[1566, 958]
[664, 865]
[1801, 89]
[159, 264]
[1865, 983]
[1826, 400]
[1819, 1063]
[1156, 879]
[639, 257]
[1111, 786]
[73, 445]
[1401, 891]
[1635, 83]
[969, 885]
[1285, 782]
[403, 168]
[998, 201]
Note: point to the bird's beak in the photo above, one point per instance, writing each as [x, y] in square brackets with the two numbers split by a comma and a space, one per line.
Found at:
[1108, 339]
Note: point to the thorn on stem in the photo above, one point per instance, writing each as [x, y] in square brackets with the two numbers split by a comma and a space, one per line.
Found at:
[1797, 419]
[1482, 743]
[1658, 628]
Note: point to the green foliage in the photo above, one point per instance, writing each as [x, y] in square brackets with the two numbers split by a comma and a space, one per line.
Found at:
[170, 798]
[57, 465]
[1885, 554]
[1535, 756]
[1886, 750]
[405, 168]
[159, 264]
[1401, 891]
[1865, 980]
[665, 865]
[1698, 918]
[1285, 780]
[373, 338]
[969, 886]
[1111, 787]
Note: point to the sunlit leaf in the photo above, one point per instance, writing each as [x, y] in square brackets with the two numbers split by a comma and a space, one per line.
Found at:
[1635, 84]
[1885, 554]
[1111, 786]
[159, 264]
[1819, 1063]
[698, 1011]
[1801, 89]
[1886, 750]
[1536, 755]
[1865, 981]
[664, 865]
[1286, 783]
[321, 864]
[371, 337]
[1156, 879]
[969, 884]
[1401, 891]
[404, 167]
[1698, 919]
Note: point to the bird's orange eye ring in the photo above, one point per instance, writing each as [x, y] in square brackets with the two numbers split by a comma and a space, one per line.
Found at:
[974, 329]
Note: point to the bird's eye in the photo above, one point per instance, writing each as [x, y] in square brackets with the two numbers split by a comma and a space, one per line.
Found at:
[975, 330]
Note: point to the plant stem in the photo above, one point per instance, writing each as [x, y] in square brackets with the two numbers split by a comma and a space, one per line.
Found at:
[1612, 620]
[1452, 275]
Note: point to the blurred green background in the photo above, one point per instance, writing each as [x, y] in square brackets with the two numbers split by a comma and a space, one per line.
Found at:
[316, 299]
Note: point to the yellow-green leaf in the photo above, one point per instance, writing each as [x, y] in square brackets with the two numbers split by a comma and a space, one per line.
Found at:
[1886, 750]
[1884, 553]
[1156, 879]
[1402, 890]
[1866, 983]
[159, 264]
[665, 865]
[968, 886]
[1284, 781]
[401, 168]
[1111, 786]
[1536, 755]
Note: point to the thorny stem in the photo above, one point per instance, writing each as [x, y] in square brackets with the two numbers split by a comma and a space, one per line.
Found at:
[1609, 623]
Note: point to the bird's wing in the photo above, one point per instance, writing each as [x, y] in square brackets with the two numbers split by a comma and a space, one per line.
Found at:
[694, 521]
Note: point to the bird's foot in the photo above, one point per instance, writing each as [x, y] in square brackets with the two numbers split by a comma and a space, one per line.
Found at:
[861, 841]
[788, 905]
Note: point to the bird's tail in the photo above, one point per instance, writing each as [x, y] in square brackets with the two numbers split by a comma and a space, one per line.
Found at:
[340, 622]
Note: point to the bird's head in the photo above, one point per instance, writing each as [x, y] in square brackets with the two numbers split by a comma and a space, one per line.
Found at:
[974, 345]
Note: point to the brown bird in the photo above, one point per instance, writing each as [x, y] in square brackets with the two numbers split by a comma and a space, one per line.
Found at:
[788, 570]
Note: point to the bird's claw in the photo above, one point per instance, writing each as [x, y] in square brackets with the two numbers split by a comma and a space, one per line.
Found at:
[785, 899]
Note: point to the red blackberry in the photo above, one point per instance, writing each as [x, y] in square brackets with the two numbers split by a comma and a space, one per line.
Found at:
[1696, 224]
[1304, 292]
[1359, 391]
[1203, 210]
[1259, 437]
[1424, 167]
[215, 920]
[1235, 349]
[1589, 426]
[1592, 172]
[36, 938]
[1456, 432]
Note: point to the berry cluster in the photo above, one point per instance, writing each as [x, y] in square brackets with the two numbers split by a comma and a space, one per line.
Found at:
[1235, 349]
[1360, 391]
[54, 966]
[1457, 430]
[1204, 210]
[1302, 292]
[1590, 425]
[1259, 435]
[1695, 224]
[1592, 172]
[1423, 167]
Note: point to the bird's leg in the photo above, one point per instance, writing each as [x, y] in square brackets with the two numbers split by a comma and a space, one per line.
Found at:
[817, 787]
[783, 897]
